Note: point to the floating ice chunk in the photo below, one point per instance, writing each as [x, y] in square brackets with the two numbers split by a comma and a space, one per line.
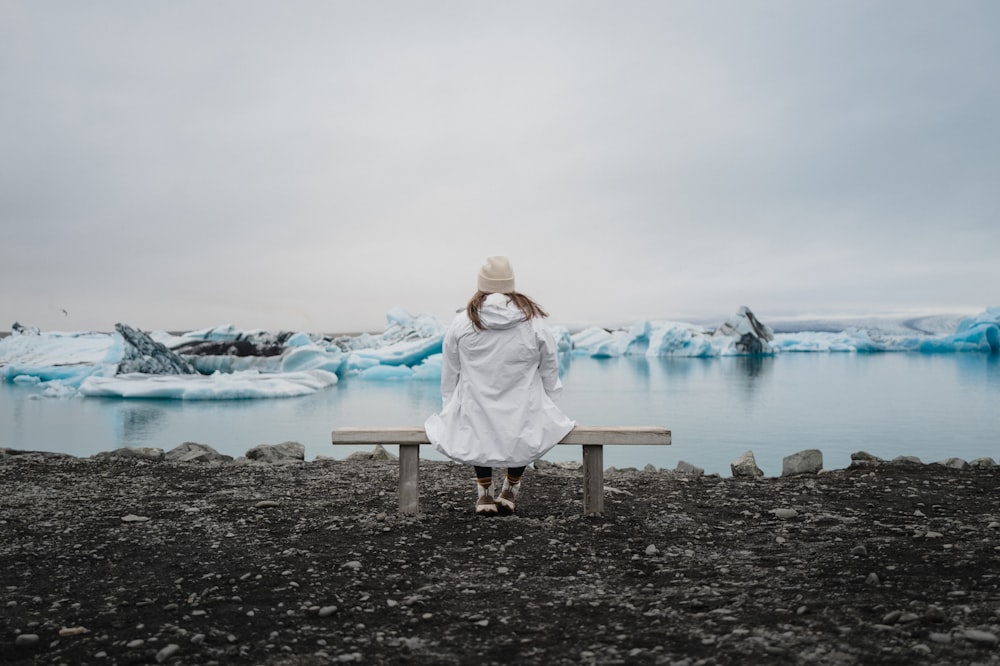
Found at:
[312, 357]
[407, 352]
[234, 386]
[67, 357]
[429, 368]
[387, 372]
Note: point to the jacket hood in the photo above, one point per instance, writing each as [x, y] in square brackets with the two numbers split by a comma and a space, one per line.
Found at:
[497, 312]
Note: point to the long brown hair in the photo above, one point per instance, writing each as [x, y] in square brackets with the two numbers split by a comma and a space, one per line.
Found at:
[528, 307]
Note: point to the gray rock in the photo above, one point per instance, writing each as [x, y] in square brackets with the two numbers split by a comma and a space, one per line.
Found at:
[327, 611]
[167, 652]
[286, 452]
[378, 453]
[940, 638]
[983, 462]
[864, 458]
[859, 551]
[908, 459]
[809, 461]
[26, 640]
[981, 637]
[954, 463]
[194, 452]
[687, 468]
[135, 452]
[746, 467]
[784, 514]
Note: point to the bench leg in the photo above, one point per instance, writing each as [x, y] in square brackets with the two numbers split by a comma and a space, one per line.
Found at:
[409, 478]
[593, 478]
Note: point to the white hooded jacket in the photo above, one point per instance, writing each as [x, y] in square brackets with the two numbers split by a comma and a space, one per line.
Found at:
[498, 388]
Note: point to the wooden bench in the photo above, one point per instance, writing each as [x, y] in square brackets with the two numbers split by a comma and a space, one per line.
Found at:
[593, 439]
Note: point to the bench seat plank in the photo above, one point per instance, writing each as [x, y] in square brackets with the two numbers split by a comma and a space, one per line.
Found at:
[593, 439]
[605, 435]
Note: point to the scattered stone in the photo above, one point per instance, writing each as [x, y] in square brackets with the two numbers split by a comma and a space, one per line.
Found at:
[784, 514]
[26, 640]
[377, 453]
[864, 458]
[66, 632]
[266, 504]
[137, 643]
[689, 469]
[745, 467]
[167, 652]
[132, 518]
[872, 579]
[134, 452]
[277, 454]
[652, 550]
[194, 452]
[327, 611]
[908, 459]
[859, 551]
[809, 461]
[953, 463]
[353, 564]
[938, 637]
[981, 637]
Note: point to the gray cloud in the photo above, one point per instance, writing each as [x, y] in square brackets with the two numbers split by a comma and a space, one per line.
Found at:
[312, 165]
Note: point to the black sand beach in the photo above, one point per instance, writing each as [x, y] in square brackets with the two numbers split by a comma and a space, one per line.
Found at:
[116, 561]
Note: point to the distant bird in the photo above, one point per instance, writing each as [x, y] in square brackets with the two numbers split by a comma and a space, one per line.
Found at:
[65, 314]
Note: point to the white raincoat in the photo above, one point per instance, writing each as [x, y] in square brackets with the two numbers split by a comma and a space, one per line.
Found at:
[498, 388]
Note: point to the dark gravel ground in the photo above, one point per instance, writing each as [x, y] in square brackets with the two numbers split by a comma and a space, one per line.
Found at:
[115, 561]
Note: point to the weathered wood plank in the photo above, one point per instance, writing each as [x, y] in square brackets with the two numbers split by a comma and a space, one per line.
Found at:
[409, 478]
[593, 478]
[607, 435]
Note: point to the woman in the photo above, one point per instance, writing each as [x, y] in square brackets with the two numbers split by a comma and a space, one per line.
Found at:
[499, 384]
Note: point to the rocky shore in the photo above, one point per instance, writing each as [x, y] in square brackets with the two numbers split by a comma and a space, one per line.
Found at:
[116, 560]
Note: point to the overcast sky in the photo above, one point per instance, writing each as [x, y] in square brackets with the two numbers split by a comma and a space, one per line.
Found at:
[311, 165]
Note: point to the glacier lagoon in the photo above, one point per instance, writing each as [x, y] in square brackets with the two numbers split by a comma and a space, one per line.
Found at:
[933, 406]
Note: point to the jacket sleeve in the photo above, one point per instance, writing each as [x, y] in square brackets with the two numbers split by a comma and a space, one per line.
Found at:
[450, 365]
[548, 364]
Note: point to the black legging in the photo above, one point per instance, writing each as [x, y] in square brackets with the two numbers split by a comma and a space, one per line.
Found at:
[483, 472]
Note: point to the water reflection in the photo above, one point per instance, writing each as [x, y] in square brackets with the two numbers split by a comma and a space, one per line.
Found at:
[139, 422]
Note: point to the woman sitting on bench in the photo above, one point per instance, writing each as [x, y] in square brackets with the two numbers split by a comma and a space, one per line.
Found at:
[499, 385]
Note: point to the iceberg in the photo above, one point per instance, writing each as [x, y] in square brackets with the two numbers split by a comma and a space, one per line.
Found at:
[235, 364]
[221, 386]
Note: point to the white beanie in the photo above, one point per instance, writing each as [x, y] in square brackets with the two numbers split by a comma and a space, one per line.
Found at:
[496, 276]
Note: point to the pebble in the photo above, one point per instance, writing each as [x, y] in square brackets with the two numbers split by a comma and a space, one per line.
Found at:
[994, 525]
[327, 611]
[652, 550]
[933, 535]
[860, 551]
[137, 643]
[784, 514]
[26, 640]
[66, 632]
[938, 637]
[353, 564]
[977, 636]
[132, 518]
[167, 652]
[266, 504]
[503, 570]
[872, 579]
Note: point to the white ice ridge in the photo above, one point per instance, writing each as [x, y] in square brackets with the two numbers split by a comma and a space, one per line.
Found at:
[235, 364]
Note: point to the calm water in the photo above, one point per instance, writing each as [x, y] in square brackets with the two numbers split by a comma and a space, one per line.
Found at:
[931, 406]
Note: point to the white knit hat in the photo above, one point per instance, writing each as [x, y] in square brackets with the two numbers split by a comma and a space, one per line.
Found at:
[496, 276]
